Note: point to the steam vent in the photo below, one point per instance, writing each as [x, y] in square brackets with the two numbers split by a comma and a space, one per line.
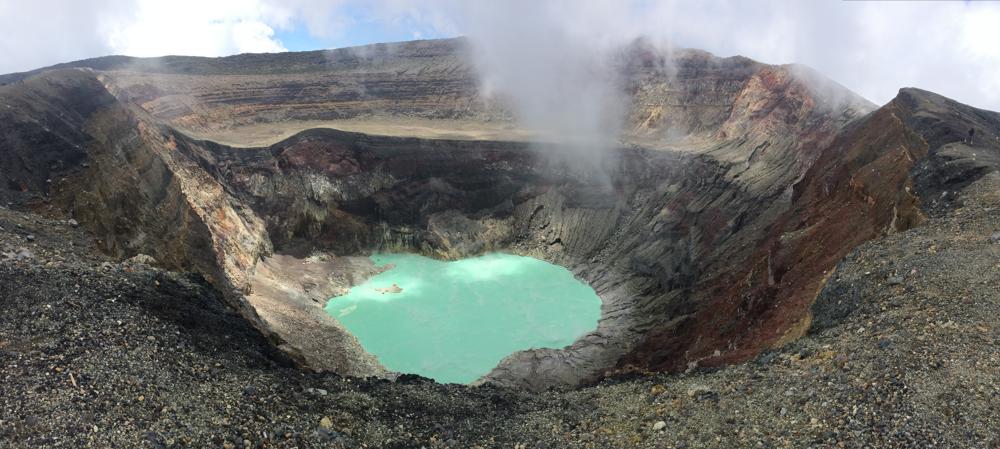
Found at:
[770, 260]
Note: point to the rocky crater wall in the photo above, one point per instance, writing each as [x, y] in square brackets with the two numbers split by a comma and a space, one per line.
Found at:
[646, 233]
[353, 194]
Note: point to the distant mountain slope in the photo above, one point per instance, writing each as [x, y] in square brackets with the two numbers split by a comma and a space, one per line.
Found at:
[364, 56]
[672, 93]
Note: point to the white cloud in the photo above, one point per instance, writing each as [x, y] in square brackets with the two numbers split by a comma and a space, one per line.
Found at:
[978, 45]
[195, 27]
[874, 48]
[36, 33]
[550, 60]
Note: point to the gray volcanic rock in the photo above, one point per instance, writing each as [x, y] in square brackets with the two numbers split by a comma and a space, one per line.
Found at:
[289, 294]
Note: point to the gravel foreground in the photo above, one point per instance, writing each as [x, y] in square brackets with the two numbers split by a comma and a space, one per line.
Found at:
[98, 353]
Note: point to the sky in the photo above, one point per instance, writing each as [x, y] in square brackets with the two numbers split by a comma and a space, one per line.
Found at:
[872, 47]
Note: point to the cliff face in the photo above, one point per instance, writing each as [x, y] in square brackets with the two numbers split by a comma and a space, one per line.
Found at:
[137, 186]
[707, 238]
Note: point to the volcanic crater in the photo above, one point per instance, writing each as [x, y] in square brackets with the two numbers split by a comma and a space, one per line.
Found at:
[708, 232]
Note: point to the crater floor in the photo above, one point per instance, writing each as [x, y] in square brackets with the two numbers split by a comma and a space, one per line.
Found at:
[269, 133]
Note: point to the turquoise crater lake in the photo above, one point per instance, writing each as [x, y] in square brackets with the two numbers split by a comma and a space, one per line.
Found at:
[454, 321]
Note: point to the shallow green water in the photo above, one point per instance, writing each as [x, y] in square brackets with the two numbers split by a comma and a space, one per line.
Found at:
[454, 321]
